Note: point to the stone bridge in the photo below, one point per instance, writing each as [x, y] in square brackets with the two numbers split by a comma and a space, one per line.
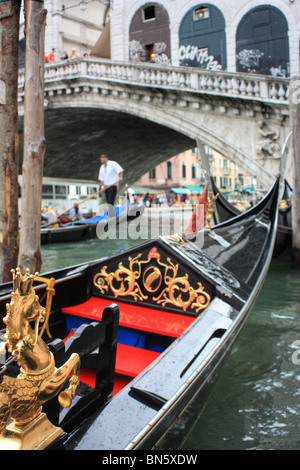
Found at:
[143, 114]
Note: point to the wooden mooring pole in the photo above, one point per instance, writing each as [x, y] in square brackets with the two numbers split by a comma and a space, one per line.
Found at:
[9, 219]
[34, 138]
[294, 100]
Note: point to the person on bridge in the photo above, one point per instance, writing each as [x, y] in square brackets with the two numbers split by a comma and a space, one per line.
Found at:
[110, 174]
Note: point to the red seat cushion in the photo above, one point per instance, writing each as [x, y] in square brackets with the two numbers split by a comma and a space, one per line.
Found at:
[135, 316]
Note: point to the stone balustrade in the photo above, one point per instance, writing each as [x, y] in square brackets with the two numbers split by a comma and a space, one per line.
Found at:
[187, 79]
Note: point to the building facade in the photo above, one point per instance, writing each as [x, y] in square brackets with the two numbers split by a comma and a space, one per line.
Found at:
[181, 170]
[250, 36]
[238, 36]
[73, 28]
[185, 170]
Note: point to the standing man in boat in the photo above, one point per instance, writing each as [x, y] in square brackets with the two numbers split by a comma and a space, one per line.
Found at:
[110, 174]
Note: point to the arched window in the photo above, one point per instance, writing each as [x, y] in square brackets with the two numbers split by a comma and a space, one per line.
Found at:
[262, 44]
[149, 35]
[202, 41]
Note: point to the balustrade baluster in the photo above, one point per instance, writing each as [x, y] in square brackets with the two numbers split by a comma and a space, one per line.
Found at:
[209, 83]
[221, 82]
[235, 86]
[153, 77]
[242, 87]
[170, 78]
[281, 92]
[182, 80]
[158, 77]
[249, 88]
[273, 91]
[164, 78]
[147, 76]
[217, 84]
[203, 82]
[141, 76]
[256, 88]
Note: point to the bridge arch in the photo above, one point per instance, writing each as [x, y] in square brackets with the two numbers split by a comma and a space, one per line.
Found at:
[163, 130]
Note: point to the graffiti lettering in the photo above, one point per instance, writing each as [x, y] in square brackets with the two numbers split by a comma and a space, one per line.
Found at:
[249, 57]
[138, 53]
[194, 54]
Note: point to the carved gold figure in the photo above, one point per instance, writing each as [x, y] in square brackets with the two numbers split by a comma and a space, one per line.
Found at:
[210, 210]
[39, 380]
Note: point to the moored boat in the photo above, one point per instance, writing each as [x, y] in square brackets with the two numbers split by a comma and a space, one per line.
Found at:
[181, 305]
[225, 210]
[83, 229]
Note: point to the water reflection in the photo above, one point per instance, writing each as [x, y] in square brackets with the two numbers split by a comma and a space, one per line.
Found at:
[255, 402]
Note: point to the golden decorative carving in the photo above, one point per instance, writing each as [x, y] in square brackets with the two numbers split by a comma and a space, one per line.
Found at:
[130, 281]
[50, 292]
[175, 239]
[39, 380]
[122, 275]
[197, 299]
[284, 203]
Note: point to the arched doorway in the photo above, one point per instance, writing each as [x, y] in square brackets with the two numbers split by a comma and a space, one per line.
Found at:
[262, 44]
[202, 41]
[149, 35]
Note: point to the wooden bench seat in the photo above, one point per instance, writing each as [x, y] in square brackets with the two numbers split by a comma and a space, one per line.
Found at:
[130, 362]
[134, 316]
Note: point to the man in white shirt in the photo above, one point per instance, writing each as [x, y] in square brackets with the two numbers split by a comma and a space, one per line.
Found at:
[110, 174]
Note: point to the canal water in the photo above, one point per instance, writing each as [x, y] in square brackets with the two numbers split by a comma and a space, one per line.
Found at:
[255, 403]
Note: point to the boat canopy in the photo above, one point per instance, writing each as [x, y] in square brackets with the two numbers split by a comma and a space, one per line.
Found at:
[180, 190]
[195, 189]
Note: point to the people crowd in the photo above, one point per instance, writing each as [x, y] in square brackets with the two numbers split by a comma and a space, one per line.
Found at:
[50, 58]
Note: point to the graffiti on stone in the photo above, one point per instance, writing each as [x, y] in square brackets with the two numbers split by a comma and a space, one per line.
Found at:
[256, 61]
[193, 56]
[139, 53]
[250, 58]
[159, 54]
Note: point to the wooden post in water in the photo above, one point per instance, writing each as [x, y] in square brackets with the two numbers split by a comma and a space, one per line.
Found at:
[294, 100]
[34, 138]
[9, 216]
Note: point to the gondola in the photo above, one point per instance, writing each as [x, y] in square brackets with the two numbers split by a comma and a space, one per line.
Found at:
[84, 229]
[224, 210]
[285, 228]
[135, 209]
[170, 310]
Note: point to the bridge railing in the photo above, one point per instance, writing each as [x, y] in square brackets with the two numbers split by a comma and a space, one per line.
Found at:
[238, 85]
